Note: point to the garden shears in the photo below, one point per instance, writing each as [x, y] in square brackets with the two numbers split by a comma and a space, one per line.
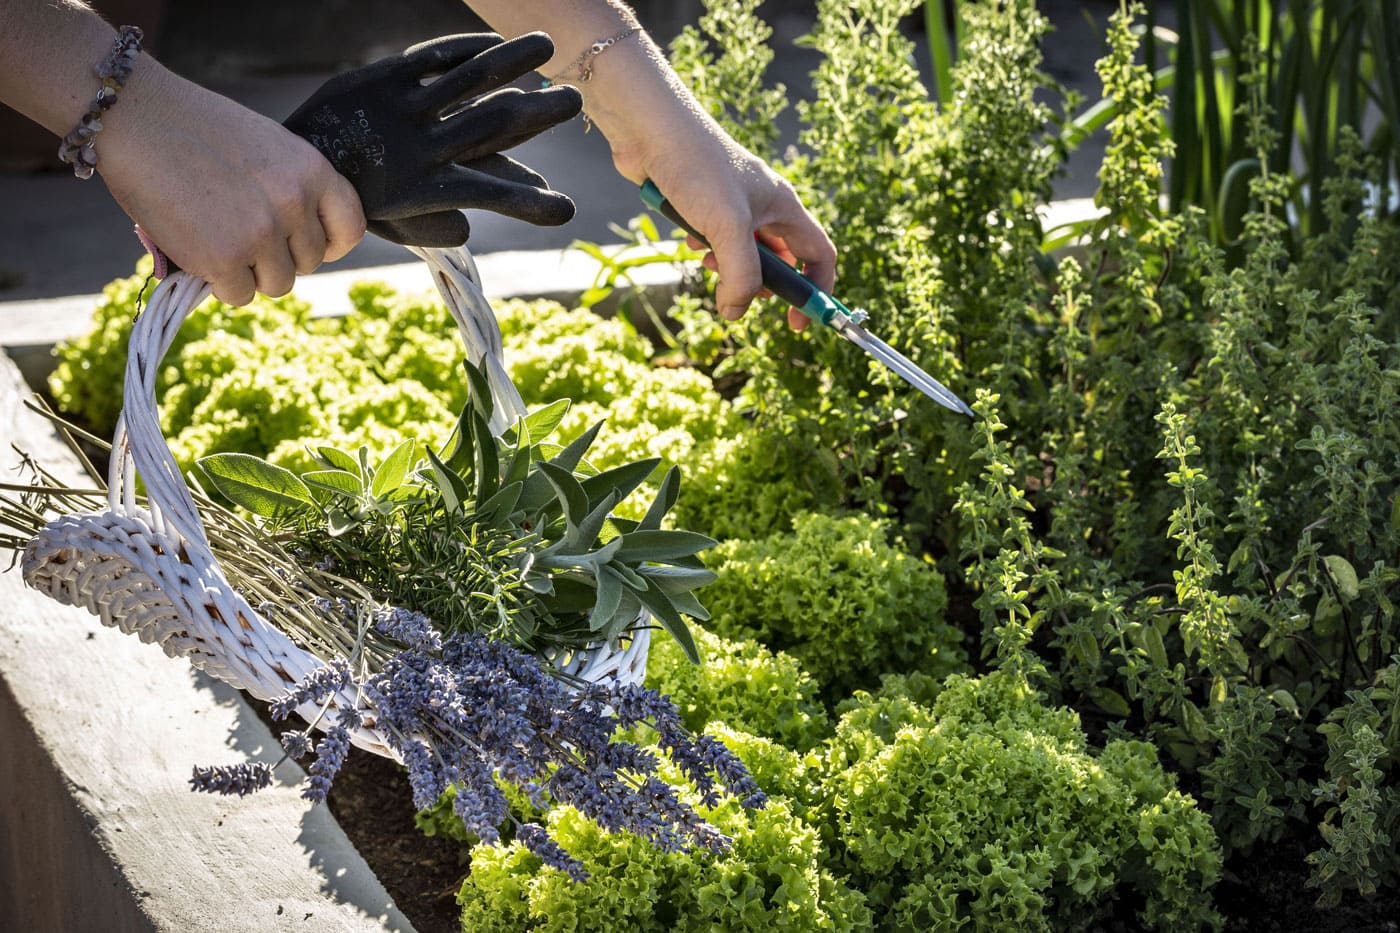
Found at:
[803, 294]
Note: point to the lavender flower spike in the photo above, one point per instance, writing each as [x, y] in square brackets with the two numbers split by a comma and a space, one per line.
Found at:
[241, 779]
[534, 837]
[313, 688]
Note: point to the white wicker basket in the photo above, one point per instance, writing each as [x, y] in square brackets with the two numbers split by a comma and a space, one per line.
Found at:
[150, 571]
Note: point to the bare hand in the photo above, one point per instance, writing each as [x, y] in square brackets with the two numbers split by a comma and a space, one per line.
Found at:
[229, 195]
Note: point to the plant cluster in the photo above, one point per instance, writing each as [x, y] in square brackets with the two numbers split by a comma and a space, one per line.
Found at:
[1176, 509]
[987, 809]
[510, 536]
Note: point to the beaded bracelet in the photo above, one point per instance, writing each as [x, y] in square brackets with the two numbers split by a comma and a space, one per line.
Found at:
[77, 149]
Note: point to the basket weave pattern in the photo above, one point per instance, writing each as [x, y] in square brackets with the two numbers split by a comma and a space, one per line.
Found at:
[151, 571]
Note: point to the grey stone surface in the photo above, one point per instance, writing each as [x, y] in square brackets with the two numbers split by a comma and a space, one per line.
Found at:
[99, 830]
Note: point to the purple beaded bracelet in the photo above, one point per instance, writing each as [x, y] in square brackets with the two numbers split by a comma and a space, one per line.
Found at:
[77, 149]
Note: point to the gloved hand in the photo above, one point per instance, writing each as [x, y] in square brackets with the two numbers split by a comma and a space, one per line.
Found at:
[418, 153]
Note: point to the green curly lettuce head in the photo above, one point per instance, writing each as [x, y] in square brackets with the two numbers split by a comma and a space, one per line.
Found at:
[989, 811]
[836, 594]
[774, 879]
[742, 684]
[750, 482]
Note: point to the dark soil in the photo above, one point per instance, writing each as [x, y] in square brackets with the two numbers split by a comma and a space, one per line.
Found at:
[1268, 893]
[373, 804]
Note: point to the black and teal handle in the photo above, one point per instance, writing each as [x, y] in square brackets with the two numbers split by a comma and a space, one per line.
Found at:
[778, 277]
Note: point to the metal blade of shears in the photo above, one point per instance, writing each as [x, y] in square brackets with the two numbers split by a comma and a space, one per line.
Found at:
[900, 364]
[803, 294]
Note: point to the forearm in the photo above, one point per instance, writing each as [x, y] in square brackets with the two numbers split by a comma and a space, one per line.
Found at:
[657, 130]
[631, 93]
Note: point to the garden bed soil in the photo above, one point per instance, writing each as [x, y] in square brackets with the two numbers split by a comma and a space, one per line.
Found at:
[372, 803]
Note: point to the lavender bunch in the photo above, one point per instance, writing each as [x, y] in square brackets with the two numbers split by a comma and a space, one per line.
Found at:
[467, 711]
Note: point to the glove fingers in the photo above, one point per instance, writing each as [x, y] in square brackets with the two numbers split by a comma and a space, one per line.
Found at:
[443, 229]
[506, 118]
[456, 186]
[507, 169]
[438, 56]
[492, 69]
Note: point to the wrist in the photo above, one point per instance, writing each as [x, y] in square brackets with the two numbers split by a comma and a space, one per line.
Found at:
[638, 103]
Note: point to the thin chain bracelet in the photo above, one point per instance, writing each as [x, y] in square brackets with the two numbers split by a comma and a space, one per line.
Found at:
[77, 149]
[583, 65]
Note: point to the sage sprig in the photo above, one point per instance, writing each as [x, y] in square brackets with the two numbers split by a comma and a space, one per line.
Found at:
[511, 536]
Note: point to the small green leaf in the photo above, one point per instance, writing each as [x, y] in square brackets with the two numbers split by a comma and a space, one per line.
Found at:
[629, 576]
[339, 521]
[1155, 647]
[609, 599]
[393, 470]
[542, 422]
[1110, 701]
[688, 604]
[480, 390]
[1344, 575]
[337, 459]
[568, 490]
[502, 504]
[462, 452]
[662, 545]
[672, 580]
[570, 457]
[339, 482]
[450, 486]
[1285, 699]
[586, 532]
[620, 480]
[488, 463]
[1194, 722]
[661, 606]
[256, 485]
[665, 499]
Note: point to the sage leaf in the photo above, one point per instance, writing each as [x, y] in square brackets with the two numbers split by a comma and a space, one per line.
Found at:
[479, 390]
[393, 470]
[620, 480]
[569, 458]
[453, 490]
[256, 485]
[662, 545]
[338, 482]
[337, 459]
[665, 499]
[542, 422]
[672, 580]
[660, 605]
[568, 491]
[609, 599]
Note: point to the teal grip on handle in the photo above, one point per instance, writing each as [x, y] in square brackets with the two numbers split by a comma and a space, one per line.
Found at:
[778, 277]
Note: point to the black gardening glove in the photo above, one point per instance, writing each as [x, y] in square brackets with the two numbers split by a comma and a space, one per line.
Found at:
[417, 154]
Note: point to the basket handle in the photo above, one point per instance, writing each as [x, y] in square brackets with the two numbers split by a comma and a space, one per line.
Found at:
[139, 447]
